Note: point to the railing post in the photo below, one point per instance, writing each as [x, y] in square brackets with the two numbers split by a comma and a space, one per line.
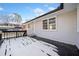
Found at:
[16, 34]
[0, 35]
[4, 35]
[25, 33]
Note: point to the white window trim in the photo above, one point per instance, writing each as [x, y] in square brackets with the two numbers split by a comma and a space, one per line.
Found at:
[48, 24]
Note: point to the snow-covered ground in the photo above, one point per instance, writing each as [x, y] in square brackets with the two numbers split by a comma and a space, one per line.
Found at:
[26, 46]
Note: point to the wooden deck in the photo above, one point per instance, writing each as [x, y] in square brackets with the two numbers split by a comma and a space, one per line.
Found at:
[26, 46]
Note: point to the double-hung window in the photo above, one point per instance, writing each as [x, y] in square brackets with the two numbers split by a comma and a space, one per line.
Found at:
[28, 25]
[45, 24]
[52, 23]
[49, 24]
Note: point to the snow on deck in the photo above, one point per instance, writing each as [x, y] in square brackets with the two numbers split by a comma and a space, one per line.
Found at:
[26, 46]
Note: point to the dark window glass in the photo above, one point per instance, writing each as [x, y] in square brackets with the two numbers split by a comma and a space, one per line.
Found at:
[44, 24]
[28, 25]
[52, 23]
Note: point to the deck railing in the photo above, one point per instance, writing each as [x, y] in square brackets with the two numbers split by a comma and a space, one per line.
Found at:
[13, 34]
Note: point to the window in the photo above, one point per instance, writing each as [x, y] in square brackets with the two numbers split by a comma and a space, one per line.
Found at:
[44, 24]
[52, 23]
[28, 25]
[49, 24]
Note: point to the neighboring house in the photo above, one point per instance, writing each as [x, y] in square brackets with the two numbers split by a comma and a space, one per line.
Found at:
[59, 24]
[8, 26]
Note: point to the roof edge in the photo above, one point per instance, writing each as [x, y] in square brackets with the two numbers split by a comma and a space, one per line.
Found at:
[57, 9]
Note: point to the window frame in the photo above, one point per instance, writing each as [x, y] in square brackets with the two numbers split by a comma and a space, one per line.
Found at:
[29, 26]
[48, 29]
[49, 23]
[45, 24]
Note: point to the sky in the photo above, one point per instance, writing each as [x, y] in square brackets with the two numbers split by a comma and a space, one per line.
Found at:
[27, 11]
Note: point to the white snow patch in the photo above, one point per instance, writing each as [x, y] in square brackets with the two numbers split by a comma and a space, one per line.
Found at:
[26, 46]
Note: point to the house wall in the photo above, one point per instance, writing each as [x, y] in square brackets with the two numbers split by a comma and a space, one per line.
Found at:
[66, 28]
[77, 41]
[30, 30]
